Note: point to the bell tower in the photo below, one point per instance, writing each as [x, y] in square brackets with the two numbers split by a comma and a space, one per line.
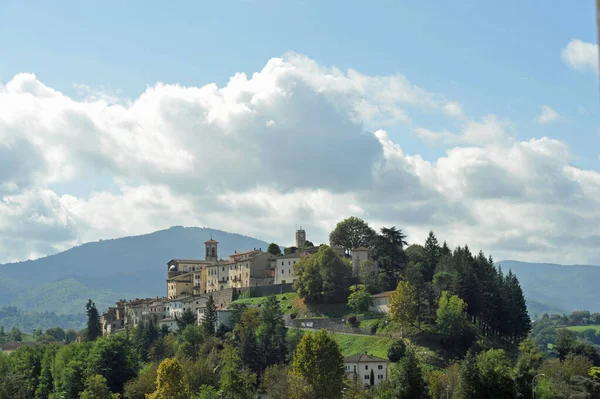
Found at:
[211, 250]
[300, 238]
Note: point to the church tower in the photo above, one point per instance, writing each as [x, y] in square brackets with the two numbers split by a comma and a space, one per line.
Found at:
[211, 250]
[300, 238]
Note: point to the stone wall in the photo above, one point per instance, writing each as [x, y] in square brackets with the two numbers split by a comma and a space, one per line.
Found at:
[266, 290]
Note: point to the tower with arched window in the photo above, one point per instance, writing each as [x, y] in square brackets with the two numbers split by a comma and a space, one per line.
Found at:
[211, 250]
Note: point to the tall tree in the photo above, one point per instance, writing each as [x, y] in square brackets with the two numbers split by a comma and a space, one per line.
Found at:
[115, 359]
[274, 249]
[322, 276]
[318, 359]
[209, 322]
[94, 328]
[388, 251]
[469, 378]
[433, 253]
[402, 304]
[272, 333]
[236, 382]
[452, 321]
[407, 378]
[352, 233]
[359, 299]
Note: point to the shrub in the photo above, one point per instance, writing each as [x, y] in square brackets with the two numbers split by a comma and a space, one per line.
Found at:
[396, 351]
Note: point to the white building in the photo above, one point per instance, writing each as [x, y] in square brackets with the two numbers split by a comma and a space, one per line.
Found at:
[284, 268]
[381, 302]
[169, 322]
[369, 369]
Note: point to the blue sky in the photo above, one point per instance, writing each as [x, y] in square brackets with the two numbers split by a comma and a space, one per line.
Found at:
[492, 57]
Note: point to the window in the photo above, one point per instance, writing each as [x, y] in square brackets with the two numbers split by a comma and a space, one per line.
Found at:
[380, 367]
[380, 377]
[366, 366]
[282, 271]
[294, 262]
[281, 263]
[367, 377]
[289, 263]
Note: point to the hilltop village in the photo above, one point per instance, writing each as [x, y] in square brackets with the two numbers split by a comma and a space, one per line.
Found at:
[190, 282]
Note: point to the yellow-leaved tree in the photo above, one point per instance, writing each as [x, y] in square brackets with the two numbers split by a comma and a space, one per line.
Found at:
[403, 304]
[170, 381]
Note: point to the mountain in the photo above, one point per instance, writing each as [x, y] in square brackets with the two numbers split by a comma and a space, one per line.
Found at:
[557, 288]
[108, 270]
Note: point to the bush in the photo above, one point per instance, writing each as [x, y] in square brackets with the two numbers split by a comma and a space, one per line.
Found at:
[396, 351]
[293, 316]
[353, 321]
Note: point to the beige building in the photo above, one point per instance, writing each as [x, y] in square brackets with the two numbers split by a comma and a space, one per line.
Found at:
[381, 302]
[180, 285]
[284, 268]
[250, 269]
[370, 370]
[360, 255]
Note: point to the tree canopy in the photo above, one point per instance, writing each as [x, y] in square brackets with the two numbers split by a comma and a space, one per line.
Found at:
[352, 233]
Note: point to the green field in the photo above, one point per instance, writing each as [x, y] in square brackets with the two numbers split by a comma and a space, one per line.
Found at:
[352, 344]
[585, 327]
[288, 302]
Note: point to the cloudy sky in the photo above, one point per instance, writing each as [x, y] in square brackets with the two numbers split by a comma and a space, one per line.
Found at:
[478, 120]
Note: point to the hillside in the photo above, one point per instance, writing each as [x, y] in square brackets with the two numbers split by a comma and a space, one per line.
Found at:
[560, 288]
[108, 270]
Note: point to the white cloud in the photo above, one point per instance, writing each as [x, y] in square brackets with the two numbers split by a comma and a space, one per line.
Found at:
[546, 116]
[581, 55]
[295, 143]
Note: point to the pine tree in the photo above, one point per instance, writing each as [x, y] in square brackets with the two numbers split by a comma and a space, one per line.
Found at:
[94, 328]
[209, 322]
[469, 378]
[408, 378]
[433, 253]
[272, 333]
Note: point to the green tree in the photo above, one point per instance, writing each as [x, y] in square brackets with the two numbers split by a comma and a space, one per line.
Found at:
[359, 299]
[452, 321]
[143, 384]
[529, 362]
[495, 374]
[402, 304]
[207, 392]
[367, 275]
[209, 322]
[272, 333]
[46, 381]
[236, 382]
[396, 351]
[352, 233]
[274, 249]
[96, 388]
[433, 254]
[388, 252]
[114, 358]
[170, 381]
[188, 318]
[322, 276]
[407, 378]
[94, 328]
[15, 335]
[318, 359]
[280, 383]
[469, 378]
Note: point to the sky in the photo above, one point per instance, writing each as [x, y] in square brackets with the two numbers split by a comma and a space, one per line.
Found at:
[477, 120]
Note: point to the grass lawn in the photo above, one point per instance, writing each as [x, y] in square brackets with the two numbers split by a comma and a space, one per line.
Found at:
[586, 327]
[289, 302]
[352, 344]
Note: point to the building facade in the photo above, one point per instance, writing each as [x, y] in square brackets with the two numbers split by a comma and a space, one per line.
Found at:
[369, 370]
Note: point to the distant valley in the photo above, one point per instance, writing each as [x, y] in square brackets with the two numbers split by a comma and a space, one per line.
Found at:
[135, 267]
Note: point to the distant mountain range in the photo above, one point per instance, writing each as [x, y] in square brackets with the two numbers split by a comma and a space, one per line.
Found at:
[108, 270]
[135, 267]
[557, 288]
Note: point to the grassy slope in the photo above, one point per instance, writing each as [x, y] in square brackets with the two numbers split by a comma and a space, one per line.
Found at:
[586, 327]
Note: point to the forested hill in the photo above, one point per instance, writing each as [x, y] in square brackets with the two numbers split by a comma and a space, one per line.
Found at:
[562, 288]
[108, 270]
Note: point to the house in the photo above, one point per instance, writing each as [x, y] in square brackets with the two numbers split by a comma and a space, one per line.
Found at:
[369, 369]
[284, 268]
[180, 285]
[224, 316]
[251, 269]
[380, 302]
[169, 322]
